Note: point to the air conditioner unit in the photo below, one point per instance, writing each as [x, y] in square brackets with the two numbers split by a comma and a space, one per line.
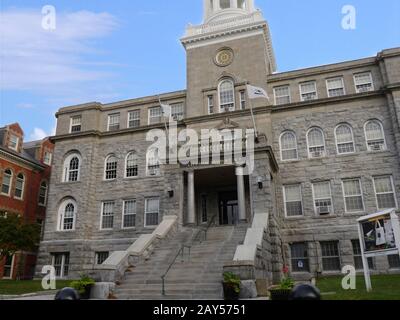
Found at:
[317, 154]
[377, 147]
[324, 210]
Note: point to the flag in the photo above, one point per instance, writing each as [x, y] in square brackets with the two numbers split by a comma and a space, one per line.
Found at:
[255, 92]
[166, 110]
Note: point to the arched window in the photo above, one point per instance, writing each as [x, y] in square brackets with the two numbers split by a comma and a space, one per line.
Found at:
[375, 136]
[132, 168]
[111, 166]
[72, 168]
[6, 184]
[288, 146]
[316, 143]
[344, 139]
[227, 95]
[67, 215]
[19, 186]
[224, 4]
[43, 193]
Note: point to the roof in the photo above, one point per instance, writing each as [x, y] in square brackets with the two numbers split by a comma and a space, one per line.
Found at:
[375, 215]
[24, 155]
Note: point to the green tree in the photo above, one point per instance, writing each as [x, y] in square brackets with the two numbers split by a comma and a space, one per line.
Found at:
[17, 235]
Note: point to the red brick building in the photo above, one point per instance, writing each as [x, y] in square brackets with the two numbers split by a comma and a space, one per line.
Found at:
[24, 182]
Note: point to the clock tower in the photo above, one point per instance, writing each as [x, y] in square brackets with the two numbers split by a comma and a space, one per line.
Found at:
[229, 50]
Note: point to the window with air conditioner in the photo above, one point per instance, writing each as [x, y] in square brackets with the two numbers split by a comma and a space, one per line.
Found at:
[322, 198]
[177, 111]
[375, 136]
[153, 163]
[308, 91]
[316, 143]
[363, 82]
[335, 87]
[344, 139]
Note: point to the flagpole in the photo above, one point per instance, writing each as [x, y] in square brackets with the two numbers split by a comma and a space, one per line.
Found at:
[252, 116]
[165, 122]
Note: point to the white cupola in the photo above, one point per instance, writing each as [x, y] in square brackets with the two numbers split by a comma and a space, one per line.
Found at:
[215, 10]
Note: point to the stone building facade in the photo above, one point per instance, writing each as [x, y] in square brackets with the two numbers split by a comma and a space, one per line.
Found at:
[328, 152]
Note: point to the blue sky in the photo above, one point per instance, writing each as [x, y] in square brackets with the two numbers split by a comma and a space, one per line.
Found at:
[108, 51]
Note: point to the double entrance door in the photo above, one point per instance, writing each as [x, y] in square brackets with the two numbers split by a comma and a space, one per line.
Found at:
[228, 208]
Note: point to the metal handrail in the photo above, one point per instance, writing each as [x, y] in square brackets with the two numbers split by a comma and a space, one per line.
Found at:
[180, 252]
[205, 230]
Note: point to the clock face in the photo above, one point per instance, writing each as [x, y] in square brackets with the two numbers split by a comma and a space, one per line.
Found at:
[224, 57]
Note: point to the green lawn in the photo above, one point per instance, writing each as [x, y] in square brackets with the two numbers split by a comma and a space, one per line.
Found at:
[385, 287]
[10, 287]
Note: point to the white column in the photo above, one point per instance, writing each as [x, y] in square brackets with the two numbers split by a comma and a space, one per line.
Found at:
[241, 194]
[191, 217]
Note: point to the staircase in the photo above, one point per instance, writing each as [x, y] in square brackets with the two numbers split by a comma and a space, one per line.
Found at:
[198, 277]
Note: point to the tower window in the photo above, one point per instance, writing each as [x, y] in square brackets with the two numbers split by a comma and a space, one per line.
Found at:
[224, 4]
[227, 96]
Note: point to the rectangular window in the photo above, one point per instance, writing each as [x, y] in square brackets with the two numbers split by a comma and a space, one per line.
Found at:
[61, 264]
[330, 256]
[152, 209]
[76, 124]
[308, 91]
[6, 185]
[282, 95]
[155, 115]
[153, 164]
[299, 257]
[394, 261]
[129, 216]
[293, 200]
[8, 267]
[19, 187]
[204, 213]
[384, 190]
[242, 100]
[134, 119]
[363, 82]
[47, 158]
[41, 224]
[358, 264]
[335, 87]
[353, 195]
[322, 198]
[107, 215]
[113, 122]
[210, 102]
[177, 111]
[13, 143]
[101, 257]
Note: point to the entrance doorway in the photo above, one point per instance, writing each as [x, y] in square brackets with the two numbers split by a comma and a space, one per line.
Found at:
[228, 208]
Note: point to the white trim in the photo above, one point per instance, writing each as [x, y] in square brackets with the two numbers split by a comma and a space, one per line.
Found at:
[129, 118]
[316, 146]
[146, 212]
[16, 142]
[280, 146]
[12, 268]
[289, 95]
[66, 167]
[352, 141]
[212, 96]
[109, 118]
[123, 214]
[301, 91]
[70, 123]
[61, 213]
[148, 115]
[105, 168]
[301, 200]
[362, 195]
[327, 86]
[383, 134]
[10, 185]
[22, 189]
[315, 199]
[126, 165]
[63, 255]
[393, 192]
[101, 216]
[219, 95]
[50, 158]
[370, 77]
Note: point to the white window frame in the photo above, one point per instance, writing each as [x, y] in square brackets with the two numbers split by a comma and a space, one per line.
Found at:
[385, 148]
[62, 271]
[211, 104]
[61, 215]
[178, 111]
[352, 139]
[324, 153]
[360, 195]
[281, 148]
[303, 93]
[109, 121]
[71, 124]
[148, 158]
[66, 168]
[45, 195]
[359, 84]
[105, 168]
[126, 165]
[152, 117]
[276, 97]
[332, 211]
[10, 183]
[16, 142]
[285, 202]
[23, 186]
[47, 158]
[242, 99]
[328, 88]
[233, 108]
[102, 215]
[130, 214]
[11, 269]
[137, 115]
[147, 212]
[393, 190]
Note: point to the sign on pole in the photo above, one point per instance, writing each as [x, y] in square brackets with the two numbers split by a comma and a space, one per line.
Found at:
[379, 235]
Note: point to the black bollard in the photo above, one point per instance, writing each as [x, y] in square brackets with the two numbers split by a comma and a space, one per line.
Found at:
[305, 292]
[67, 294]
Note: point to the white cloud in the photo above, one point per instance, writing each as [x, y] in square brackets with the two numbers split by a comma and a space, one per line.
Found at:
[32, 58]
[38, 134]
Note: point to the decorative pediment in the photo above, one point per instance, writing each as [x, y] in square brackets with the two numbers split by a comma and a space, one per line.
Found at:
[227, 123]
